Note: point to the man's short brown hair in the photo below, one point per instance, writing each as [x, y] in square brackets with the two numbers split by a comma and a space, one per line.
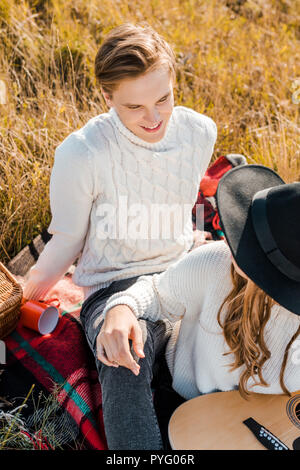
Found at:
[129, 51]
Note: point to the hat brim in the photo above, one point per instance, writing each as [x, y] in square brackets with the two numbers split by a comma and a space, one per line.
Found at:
[234, 196]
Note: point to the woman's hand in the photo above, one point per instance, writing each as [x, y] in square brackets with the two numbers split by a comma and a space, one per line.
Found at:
[113, 349]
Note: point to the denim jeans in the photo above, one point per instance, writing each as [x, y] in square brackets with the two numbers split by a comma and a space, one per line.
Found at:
[129, 415]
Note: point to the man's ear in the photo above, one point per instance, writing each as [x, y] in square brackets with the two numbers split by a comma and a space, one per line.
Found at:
[107, 98]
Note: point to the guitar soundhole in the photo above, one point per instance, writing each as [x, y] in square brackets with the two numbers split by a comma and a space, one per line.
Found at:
[297, 411]
[293, 410]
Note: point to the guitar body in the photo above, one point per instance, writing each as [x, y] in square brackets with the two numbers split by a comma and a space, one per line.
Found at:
[215, 421]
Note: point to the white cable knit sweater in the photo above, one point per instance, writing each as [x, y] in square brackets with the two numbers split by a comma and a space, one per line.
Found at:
[193, 289]
[105, 163]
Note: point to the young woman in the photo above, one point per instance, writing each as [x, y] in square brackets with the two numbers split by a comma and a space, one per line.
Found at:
[236, 304]
[108, 180]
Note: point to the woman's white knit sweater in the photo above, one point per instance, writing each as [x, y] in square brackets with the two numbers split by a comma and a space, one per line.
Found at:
[103, 169]
[193, 289]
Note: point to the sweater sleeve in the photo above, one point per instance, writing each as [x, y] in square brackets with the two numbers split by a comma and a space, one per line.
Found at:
[71, 198]
[151, 297]
[177, 291]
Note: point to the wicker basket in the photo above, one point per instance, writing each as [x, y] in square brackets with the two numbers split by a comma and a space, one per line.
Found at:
[11, 294]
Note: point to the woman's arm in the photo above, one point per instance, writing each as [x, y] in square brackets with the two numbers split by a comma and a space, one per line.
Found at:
[171, 294]
[182, 286]
[71, 198]
[150, 297]
[155, 296]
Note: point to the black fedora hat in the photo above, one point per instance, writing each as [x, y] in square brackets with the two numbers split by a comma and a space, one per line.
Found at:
[259, 215]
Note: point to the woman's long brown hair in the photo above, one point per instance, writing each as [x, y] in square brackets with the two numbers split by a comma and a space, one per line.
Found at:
[248, 309]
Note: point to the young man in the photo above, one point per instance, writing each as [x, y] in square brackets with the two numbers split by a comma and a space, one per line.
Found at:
[116, 187]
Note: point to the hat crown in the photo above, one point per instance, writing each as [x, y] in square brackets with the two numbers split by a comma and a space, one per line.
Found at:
[283, 210]
[259, 214]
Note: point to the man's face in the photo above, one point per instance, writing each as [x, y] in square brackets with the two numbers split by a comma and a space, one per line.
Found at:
[145, 102]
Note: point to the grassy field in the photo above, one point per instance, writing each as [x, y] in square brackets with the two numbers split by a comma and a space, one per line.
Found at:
[238, 62]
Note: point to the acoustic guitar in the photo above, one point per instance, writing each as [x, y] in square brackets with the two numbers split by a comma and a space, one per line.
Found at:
[225, 420]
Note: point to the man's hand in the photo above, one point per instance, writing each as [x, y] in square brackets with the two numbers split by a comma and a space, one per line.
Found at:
[201, 238]
[120, 325]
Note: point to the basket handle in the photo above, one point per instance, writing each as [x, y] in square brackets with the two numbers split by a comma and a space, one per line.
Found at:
[9, 274]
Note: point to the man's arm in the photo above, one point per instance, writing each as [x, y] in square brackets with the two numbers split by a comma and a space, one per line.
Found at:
[71, 198]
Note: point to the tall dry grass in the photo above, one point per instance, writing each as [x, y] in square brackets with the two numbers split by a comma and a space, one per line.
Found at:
[238, 62]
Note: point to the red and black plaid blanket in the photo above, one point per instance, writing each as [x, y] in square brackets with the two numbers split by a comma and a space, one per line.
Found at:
[61, 359]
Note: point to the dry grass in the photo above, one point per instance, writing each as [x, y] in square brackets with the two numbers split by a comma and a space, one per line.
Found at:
[49, 425]
[238, 62]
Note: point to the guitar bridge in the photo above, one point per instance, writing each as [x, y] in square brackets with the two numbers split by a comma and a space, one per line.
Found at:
[265, 437]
